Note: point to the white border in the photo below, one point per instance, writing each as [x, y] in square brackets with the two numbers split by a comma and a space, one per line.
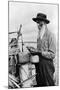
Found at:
[4, 43]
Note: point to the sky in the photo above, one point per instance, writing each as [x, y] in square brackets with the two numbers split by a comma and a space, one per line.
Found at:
[22, 13]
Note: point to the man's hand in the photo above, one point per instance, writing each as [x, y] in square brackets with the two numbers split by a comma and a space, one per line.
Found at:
[33, 51]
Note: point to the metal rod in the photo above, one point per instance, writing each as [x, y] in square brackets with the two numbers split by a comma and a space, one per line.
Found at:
[12, 32]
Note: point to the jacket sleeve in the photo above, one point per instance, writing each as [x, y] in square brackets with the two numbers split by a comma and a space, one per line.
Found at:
[50, 54]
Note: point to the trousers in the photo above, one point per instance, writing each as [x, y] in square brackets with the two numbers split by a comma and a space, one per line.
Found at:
[45, 70]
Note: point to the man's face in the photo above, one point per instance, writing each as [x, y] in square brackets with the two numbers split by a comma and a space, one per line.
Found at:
[40, 25]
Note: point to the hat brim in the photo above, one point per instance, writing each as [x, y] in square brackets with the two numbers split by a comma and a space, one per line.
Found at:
[37, 20]
[13, 44]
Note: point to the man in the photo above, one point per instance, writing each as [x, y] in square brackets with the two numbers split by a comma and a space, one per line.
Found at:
[14, 57]
[46, 51]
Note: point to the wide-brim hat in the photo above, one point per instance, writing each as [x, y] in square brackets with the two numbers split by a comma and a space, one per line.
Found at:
[13, 42]
[41, 17]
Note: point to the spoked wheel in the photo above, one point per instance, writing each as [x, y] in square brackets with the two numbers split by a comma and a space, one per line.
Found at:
[13, 82]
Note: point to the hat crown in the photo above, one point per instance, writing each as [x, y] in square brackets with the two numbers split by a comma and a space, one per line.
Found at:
[13, 40]
[40, 15]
